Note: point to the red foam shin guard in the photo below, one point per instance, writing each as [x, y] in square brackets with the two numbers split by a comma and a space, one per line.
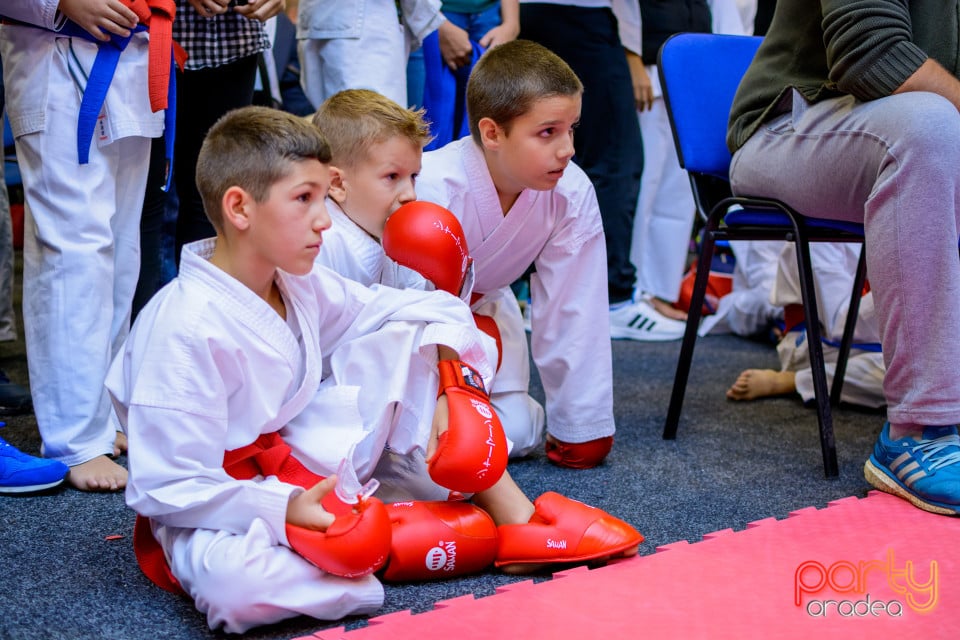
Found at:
[355, 545]
[471, 454]
[562, 530]
[489, 326]
[578, 455]
[437, 540]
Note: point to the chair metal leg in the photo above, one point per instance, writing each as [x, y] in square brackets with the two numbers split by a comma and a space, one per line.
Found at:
[824, 414]
[853, 311]
[690, 334]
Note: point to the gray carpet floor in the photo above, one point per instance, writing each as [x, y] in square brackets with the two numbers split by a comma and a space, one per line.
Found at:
[61, 576]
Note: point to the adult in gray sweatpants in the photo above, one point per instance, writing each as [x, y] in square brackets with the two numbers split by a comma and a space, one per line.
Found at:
[851, 112]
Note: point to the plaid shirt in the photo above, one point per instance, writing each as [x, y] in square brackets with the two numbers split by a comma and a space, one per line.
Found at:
[213, 42]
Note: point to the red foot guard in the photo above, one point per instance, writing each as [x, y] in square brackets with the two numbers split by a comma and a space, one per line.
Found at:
[562, 530]
[435, 540]
[579, 455]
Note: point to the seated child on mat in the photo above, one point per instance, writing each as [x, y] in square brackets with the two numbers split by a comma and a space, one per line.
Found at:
[376, 147]
[256, 372]
[835, 264]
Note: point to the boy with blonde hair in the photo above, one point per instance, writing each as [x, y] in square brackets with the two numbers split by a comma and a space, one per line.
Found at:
[257, 388]
[523, 203]
[376, 148]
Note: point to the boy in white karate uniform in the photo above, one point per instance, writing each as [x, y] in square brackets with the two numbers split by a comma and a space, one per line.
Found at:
[377, 147]
[835, 264]
[523, 203]
[253, 340]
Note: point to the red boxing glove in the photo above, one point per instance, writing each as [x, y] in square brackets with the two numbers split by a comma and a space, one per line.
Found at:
[355, 545]
[435, 540]
[427, 238]
[562, 530]
[471, 454]
[579, 455]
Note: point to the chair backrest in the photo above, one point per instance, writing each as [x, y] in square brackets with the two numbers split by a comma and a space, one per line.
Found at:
[699, 73]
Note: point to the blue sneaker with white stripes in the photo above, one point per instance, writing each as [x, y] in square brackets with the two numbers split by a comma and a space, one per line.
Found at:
[926, 472]
[22, 473]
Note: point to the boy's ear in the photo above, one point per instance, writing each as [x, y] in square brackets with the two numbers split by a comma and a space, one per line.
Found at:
[236, 208]
[490, 133]
[338, 190]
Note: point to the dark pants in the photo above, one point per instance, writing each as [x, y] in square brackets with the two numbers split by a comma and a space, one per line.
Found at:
[607, 142]
[151, 228]
[202, 97]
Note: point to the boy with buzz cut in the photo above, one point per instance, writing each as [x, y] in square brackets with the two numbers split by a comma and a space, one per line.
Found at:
[377, 147]
[523, 203]
[258, 391]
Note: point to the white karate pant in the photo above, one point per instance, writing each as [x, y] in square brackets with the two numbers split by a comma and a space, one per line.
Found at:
[665, 209]
[246, 580]
[376, 60]
[81, 259]
[862, 380]
[522, 417]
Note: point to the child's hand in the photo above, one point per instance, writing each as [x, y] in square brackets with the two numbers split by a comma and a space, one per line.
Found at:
[441, 419]
[640, 79]
[504, 32]
[101, 17]
[210, 8]
[261, 10]
[455, 47]
[304, 510]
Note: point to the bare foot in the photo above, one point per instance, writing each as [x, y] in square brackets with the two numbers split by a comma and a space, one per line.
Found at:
[760, 383]
[99, 474]
[119, 444]
[668, 310]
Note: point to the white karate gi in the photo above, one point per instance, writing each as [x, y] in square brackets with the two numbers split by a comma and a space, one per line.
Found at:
[351, 252]
[747, 310]
[354, 254]
[82, 225]
[360, 44]
[560, 233]
[209, 367]
[834, 266]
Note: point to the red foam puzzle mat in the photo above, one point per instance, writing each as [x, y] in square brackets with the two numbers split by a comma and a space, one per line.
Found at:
[859, 568]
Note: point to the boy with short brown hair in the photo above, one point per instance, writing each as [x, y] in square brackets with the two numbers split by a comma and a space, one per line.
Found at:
[523, 204]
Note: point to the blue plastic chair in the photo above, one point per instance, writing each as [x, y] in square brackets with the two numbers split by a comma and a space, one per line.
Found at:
[700, 73]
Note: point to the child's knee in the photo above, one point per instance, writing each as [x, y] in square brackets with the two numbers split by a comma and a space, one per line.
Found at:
[522, 418]
[229, 577]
